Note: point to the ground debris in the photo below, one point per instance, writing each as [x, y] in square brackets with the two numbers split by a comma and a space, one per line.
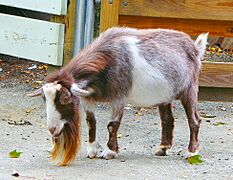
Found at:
[17, 123]
[29, 110]
[15, 173]
[119, 135]
[223, 109]
[219, 123]
[207, 115]
[22, 71]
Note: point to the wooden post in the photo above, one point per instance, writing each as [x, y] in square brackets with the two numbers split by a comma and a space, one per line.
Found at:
[69, 21]
[109, 14]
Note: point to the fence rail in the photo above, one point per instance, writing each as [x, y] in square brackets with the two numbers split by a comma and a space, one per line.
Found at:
[58, 7]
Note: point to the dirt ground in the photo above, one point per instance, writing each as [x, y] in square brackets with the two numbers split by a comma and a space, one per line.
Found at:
[22, 127]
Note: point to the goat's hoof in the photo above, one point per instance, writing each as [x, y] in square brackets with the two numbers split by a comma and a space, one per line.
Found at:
[91, 150]
[108, 154]
[162, 150]
[190, 154]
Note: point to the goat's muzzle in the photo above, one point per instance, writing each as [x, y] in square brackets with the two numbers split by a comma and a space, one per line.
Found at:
[54, 132]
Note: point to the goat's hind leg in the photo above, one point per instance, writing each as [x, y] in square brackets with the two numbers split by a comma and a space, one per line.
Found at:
[167, 122]
[92, 146]
[189, 101]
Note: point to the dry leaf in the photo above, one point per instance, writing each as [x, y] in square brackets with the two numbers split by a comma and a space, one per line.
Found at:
[208, 116]
[119, 135]
[219, 123]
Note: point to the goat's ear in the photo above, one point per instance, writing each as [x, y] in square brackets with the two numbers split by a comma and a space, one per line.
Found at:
[65, 96]
[75, 90]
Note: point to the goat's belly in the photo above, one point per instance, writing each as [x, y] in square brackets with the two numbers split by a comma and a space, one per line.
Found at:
[149, 86]
[150, 94]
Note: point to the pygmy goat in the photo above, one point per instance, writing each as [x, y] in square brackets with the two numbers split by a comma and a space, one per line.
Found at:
[124, 65]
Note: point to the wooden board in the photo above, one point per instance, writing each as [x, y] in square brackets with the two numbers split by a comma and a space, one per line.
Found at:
[190, 26]
[188, 9]
[109, 14]
[58, 7]
[69, 22]
[217, 74]
[215, 94]
[31, 39]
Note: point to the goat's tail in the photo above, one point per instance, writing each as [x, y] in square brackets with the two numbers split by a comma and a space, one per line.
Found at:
[200, 45]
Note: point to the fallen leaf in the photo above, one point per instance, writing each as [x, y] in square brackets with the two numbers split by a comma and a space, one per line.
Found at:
[138, 113]
[219, 123]
[38, 82]
[14, 154]
[43, 67]
[30, 110]
[119, 135]
[42, 125]
[195, 160]
[208, 116]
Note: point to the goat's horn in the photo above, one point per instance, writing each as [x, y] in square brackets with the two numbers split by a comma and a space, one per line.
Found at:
[80, 92]
[35, 93]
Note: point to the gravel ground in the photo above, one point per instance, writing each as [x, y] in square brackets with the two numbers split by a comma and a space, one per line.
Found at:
[22, 122]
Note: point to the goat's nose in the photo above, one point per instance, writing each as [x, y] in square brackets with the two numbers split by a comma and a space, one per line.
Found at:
[51, 130]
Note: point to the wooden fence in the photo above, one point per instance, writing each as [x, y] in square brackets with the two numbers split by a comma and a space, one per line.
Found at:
[47, 40]
[191, 16]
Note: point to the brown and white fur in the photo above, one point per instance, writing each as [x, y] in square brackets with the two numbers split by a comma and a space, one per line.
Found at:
[124, 65]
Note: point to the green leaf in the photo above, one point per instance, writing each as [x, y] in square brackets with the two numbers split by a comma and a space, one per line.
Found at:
[208, 116]
[195, 160]
[14, 154]
[219, 123]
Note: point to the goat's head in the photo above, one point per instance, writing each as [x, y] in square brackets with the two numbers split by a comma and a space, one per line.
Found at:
[61, 95]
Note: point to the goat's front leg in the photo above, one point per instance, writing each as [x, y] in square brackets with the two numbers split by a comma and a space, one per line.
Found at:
[111, 150]
[92, 146]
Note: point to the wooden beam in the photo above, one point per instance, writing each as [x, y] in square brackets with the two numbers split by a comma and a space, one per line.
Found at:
[190, 26]
[109, 14]
[188, 9]
[217, 74]
[215, 94]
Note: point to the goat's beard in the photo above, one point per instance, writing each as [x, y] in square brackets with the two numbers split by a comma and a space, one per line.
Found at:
[67, 145]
